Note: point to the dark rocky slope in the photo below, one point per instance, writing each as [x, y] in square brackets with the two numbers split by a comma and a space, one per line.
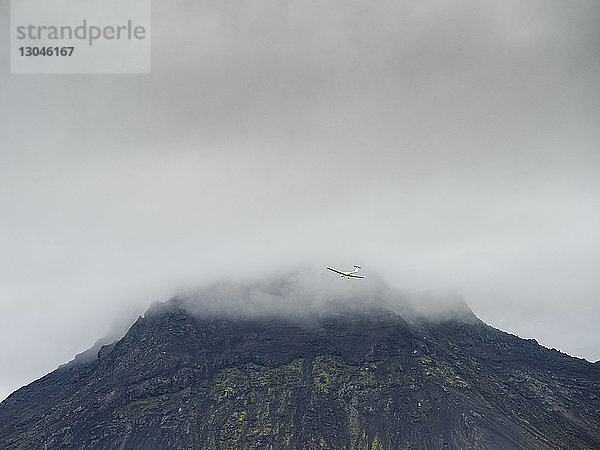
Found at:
[353, 378]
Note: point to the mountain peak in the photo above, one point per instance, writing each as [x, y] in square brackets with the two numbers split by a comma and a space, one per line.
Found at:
[304, 294]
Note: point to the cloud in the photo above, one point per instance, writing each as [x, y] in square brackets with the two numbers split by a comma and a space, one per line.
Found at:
[443, 145]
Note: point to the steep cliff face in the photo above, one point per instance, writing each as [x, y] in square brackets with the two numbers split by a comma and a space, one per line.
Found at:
[355, 378]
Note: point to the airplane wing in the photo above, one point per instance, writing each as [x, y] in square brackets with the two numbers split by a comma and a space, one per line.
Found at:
[336, 271]
[355, 276]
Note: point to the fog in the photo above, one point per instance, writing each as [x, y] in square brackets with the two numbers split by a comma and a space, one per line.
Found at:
[308, 294]
[446, 146]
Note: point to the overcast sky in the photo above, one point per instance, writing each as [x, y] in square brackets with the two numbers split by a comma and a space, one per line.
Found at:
[449, 145]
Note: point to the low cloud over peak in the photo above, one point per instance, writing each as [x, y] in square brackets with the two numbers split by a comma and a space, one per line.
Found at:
[312, 292]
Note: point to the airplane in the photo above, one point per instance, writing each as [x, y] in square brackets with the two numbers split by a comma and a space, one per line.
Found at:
[348, 275]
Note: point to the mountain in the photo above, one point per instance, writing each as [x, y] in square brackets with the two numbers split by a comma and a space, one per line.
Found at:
[291, 369]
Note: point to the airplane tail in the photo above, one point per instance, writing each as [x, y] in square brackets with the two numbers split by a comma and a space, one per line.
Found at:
[356, 268]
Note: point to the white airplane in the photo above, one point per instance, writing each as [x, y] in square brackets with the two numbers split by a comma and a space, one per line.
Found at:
[348, 275]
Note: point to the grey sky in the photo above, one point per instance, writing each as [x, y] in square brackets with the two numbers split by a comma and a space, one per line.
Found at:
[445, 145]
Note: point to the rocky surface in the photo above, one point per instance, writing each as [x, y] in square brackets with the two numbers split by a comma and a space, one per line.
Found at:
[354, 378]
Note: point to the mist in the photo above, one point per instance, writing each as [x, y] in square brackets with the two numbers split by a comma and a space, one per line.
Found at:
[447, 147]
[309, 294]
